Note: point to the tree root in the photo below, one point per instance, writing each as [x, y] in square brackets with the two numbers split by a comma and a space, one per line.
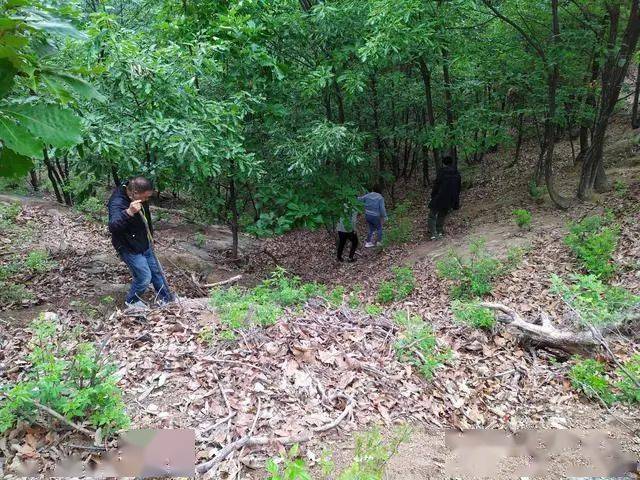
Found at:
[546, 334]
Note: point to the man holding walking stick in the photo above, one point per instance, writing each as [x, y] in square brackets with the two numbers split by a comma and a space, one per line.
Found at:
[132, 237]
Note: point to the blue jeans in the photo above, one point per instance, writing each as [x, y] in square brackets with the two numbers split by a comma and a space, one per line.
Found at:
[375, 226]
[145, 269]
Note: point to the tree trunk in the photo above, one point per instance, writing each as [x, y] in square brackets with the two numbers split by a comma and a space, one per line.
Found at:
[616, 65]
[52, 176]
[426, 80]
[376, 125]
[448, 104]
[519, 140]
[550, 128]
[233, 206]
[115, 176]
[341, 117]
[33, 177]
[635, 121]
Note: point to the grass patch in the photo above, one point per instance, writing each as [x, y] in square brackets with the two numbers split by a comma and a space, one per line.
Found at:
[371, 455]
[416, 344]
[594, 301]
[261, 306]
[593, 240]
[199, 240]
[8, 214]
[93, 208]
[523, 218]
[471, 313]
[399, 288]
[38, 261]
[473, 277]
[590, 377]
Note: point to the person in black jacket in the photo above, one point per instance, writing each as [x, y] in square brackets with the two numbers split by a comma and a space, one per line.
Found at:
[132, 237]
[445, 196]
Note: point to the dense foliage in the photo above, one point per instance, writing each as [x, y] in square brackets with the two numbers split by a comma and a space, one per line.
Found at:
[275, 114]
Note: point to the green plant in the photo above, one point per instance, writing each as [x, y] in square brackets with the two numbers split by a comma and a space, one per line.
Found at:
[535, 191]
[416, 343]
[593, 240]
[67, 376]
[629, 390]
[371, 455]
[399, 228]
[621, 188]
[8, 214]
[472, 277]
[161, 215]
[13, 293]
[473, 314]
[399, 288]
[353, 300]
[263, 304]
[38, 261]
[523, 218]
[588, 376]
[336, 296]
[594, 301]
[93, 207]
[293, 468]
[373, 310]
[200, 239]
[205, 335]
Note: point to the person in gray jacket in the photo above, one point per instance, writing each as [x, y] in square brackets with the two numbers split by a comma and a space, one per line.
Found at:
[347, 231]
[375, 213]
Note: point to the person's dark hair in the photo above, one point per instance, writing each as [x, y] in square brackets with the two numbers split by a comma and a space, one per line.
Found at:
[376, 188]
[447, 160]
[140, 184]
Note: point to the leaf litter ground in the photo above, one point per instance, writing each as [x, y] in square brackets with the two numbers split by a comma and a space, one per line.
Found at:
[320, 364]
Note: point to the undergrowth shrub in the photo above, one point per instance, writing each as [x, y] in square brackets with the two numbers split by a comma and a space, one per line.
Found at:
[594, 301]
[400, 287]
[621, 188]
[416, 344]
[13, 293]
[593, 240]
[38, 261]
[522, 218]
[590, 377]
[473, 276]
[536, 191]
[8, 214]
[199, 239]
[262, 305]
[92, 207]
[371, 456]
[399, 228]
[69, 377]
[373, 310]
[629, 391]
[471, 313]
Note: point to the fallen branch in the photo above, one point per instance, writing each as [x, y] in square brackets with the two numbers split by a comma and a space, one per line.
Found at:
[56, 415]
[348, 409]
[248, 441]
[545, 334]
[224, 282]
[217, 424]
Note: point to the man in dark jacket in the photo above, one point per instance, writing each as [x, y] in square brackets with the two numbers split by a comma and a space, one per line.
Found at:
[132, 237]
[445, 196]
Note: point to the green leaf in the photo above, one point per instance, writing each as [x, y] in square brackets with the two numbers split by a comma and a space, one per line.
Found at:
[18, 138]
[13, 164]
[7, 72]
[68, 83]
[56, 126]
[56, 26]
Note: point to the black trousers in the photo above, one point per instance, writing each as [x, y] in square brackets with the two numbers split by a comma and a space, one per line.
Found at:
[342, 240]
